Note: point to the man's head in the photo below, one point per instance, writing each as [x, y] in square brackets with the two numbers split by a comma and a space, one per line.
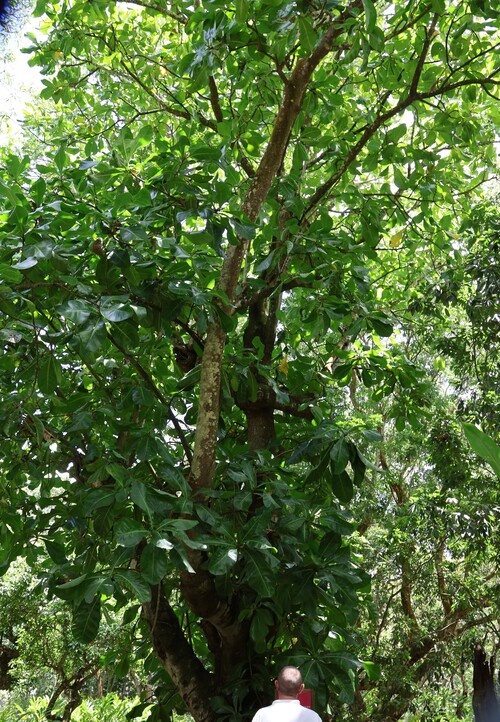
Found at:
[289, 683]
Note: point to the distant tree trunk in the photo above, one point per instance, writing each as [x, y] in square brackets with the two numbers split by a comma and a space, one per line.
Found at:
[7, 655]
[484, 700]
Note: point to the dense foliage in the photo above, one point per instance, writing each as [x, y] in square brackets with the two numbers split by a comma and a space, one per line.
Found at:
[223, 248]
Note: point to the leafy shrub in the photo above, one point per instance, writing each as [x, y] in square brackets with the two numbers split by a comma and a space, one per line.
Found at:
[109, 708]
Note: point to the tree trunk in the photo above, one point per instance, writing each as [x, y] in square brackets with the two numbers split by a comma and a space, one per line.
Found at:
[484, 700]
[192, 680]
[7, 655]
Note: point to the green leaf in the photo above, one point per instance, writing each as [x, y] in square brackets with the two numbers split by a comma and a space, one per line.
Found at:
[319, 471]
[373, 671]
[370, 15]
[258, 574]
[145, 135]
[260, 625]
[222, 561]
[139, 493]
[154, 563]
[56, 551]
[147, 447]
[39, 430]
[343, 373]
[340, 456]
[484, 446]
[307, 35]
[74, 582]
[134, 582]
[118, 472]
[24, 265]
[381, 327]
[129, 532]
[399, 179]
[175, 525]
[60, 159]
[358, 468]
[342, 487]
[98, 498]
[115, 310]
[75, 310]
[10, 275]
[92, 337]
[439, 6]
[143, 396]
[49, 374]
[86, 164]
[7, 192]
[130, 614]
[241, 7]
[86, 620]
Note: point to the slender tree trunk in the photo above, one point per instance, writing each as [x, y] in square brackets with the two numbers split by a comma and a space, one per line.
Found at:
[484, 700]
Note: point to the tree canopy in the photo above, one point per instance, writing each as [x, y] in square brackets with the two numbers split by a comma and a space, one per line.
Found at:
[230, 247]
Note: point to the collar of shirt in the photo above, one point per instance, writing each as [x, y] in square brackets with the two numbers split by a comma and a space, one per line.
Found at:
[286, 701]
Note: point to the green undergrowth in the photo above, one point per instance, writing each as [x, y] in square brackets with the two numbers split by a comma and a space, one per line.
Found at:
[109, 708]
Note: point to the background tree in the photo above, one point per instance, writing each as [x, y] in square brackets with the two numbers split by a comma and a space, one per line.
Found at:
[428, 526]
[204, 248]
[40, 656]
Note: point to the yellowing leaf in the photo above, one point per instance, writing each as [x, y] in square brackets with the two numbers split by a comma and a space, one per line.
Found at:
[283, 367]
[395, 240]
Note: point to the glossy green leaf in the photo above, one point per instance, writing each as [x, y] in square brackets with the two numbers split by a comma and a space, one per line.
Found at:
[339, 456]
[56, 551]
[258, 573]
[373, 670]
[484, 446]
[49, 374]
[154, 563]
[342, 486]
[135, 583]
[9, 274]
[370, 15]
[129, 532]
[92, 337]
[241, 7]
[307, 34]
[86, 620]
[115, 310]
[75, 310]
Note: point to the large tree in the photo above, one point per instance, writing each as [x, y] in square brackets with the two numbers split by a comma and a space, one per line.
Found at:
[217, 212]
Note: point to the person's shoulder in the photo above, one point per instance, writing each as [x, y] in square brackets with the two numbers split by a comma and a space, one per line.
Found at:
[260, 715]
[311, 716]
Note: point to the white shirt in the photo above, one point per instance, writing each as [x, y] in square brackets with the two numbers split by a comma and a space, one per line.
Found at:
[286, 710]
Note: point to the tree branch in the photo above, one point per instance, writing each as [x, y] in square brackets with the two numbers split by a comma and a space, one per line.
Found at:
[429, 34]
[441, 581]
[214, 99]
[372, 128]
[158, 8]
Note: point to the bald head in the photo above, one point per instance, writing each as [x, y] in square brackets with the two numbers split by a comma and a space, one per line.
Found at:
[289, 682]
